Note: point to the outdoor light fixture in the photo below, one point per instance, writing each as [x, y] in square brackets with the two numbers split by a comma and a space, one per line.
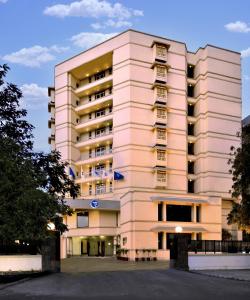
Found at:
[178, 229]
[51, 226]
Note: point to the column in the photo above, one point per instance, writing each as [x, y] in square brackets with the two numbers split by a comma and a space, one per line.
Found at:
[194, 213]
[164, 241]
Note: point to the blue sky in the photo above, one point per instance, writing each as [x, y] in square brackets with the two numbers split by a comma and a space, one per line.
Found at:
[37, 34]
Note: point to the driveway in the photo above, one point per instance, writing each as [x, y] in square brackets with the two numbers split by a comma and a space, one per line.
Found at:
[101, 264]
[143, 284]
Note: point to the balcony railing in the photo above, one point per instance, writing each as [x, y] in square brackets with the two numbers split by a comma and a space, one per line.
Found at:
[98, 174]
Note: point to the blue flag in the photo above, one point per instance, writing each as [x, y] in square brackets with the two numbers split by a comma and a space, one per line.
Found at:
[71, 173]
[118, 176]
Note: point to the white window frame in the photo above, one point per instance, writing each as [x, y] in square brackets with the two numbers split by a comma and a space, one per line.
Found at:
[161, 176]
[161, 113]
[161, 134]
[161, 51]
[161, 155]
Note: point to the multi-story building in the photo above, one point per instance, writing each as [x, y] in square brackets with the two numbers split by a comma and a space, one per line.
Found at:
[162, 117]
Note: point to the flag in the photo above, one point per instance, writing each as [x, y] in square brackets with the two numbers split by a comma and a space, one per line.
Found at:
[71, 173]
[118, 176]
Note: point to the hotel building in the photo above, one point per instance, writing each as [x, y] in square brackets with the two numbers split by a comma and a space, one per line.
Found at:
[163, 118]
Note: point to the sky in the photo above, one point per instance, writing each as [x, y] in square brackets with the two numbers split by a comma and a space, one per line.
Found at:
[38, 34]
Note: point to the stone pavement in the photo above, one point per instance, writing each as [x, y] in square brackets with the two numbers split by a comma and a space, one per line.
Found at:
[229, 274]
[78, 264]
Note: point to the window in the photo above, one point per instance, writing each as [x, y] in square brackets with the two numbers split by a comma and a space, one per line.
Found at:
[77, 138]
[99, 170]
[90, 98]
[190, 90]
[190, 110]
[110, 148]
[100, 75]
[161, 155]
[161, 176]
[161, 134]
[90, 171]
[160, 216]
[190, 129]
[198, 236]
[110, 166]
[100, 151]
[161, 92]
[190, 186]
[160, 71]
[191, 148]
[190, 71]
[110, 128]
[100, 95]
[190, 167]
[110, 109]
[161, 51]
[90, 116]
[90, 189]
[100, 188]
[100, 132]
[77, 102]
[161, 113]
[77, 120]
[160, 240]
[111, 186]
[110, 91]
[82, 219]
[100, 113]
[198, 213]
[110, 71]
[89, 79]
[179, 213]
[90, 135]
[90, 153]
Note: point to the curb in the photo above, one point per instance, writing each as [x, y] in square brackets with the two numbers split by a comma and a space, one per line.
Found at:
[220, 276]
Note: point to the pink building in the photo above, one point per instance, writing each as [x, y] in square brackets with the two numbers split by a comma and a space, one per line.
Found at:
[163, 119]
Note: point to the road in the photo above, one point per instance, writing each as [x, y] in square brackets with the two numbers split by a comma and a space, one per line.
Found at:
[131, 284]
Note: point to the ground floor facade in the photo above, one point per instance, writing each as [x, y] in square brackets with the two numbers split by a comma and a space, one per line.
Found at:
[142, 224]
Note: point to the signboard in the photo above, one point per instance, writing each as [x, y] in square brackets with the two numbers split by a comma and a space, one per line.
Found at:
[94, 204]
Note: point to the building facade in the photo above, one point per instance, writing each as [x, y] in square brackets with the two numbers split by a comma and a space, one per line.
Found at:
[163, 119]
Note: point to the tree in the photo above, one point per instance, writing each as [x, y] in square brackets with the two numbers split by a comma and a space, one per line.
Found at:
[33, 185]
[240, 169]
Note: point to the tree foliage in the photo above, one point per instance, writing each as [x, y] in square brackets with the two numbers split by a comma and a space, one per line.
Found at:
[240, 170]
[33, 185]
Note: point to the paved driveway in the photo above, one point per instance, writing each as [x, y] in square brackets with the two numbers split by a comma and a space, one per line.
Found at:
[144, 284]
[101, 264]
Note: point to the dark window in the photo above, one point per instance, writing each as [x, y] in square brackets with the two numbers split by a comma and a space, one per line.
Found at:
[190, 110]
[190, 186]
[190, 90]
[190, 129]
[191, 148]
[190, 71]
[77, 102]
[90, 153]
[90, 171]
[160, 217]
[89, 79]
[190, 167]
[199, 236]
[77, 138]
[181, 213]
[110, 71]
[90, 135]
[77, 120]
[77, 85]
[90, 116]
[160, 240]
[90, 98]
[110, 109]
[82, 219]
[198, 213]
[100, 75]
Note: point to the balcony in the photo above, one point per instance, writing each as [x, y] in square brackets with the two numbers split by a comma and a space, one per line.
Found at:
[86, 159]
[95, 176]
[50, 105]
[94, 86]
[51, 138]
[107, 136]
[51, 121]
[93, 105]
[92, 123]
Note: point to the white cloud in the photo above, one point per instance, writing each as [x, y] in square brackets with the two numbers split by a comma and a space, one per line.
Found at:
[89, 39]
[246, 77]
[246, 52]
[34, 96]
[34, 56]
[238, 26]
[92, 8]
[111, 23]
[3, 1]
